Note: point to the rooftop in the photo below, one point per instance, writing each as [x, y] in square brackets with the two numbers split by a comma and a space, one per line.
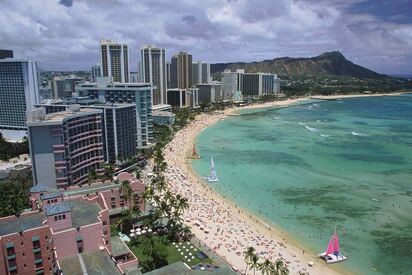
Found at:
[60, 116]
[22, 223]
[51, 196]
[90, 189]
[39, 188]
[96, 263]
[118, 247]
[58, 208]
[84, 212]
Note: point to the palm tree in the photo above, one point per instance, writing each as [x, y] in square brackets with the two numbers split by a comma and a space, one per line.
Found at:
[254, 262]
[92, 176]
[266, 267]
[281, 268]
[108, 171]
[250, 251]
[126, 190]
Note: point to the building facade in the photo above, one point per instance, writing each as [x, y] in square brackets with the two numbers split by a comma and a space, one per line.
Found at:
[181, 71]
[118, 127]
[95, 72]
[139, 94]
[62, 87]
[6, 54]
[200, 73]
[19, 91]
[231, 83]
[249, 84]
[211, 92]
[183, 98]
[65, 146]
[114, 61]
[153, 70]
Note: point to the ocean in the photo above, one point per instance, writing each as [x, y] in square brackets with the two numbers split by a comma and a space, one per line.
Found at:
[310, 166]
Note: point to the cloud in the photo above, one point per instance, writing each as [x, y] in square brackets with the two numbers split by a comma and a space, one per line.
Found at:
[64, 34]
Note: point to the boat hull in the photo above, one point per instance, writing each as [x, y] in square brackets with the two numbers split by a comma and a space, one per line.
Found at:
[332, 258]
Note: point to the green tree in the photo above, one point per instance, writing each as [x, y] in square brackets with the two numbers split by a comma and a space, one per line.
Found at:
[266, 267]
[281, 268]
[254, 262]
[126, 190]
[248, 254]
[13, 197]
[108, 172]
[156, 257]
[92, 176]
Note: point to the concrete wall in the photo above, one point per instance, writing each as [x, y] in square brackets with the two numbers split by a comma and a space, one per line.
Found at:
[41, 150]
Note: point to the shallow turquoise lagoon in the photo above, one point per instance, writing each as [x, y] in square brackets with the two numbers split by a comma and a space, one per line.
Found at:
[305, 167]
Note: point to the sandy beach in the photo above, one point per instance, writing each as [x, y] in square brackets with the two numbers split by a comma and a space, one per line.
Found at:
[218, 222]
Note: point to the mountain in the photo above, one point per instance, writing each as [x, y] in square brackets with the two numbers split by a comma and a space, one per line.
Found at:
[327, 64]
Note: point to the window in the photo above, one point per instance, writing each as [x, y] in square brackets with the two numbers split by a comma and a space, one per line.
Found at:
[55, 218]
[64, 216]
[45, 237]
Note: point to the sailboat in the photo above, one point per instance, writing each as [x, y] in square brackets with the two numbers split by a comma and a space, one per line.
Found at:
[194, 155]
[213, 176]
[332, 254]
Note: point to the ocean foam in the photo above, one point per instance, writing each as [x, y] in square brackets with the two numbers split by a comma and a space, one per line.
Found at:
[359, 134]
[311, 128]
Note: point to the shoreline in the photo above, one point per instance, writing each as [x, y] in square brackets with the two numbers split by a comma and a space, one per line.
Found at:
[292, 252]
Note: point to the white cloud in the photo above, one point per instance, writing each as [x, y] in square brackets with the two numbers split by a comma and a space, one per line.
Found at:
[66, 38]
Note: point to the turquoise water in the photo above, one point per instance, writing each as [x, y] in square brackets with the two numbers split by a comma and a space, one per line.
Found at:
[305, 167]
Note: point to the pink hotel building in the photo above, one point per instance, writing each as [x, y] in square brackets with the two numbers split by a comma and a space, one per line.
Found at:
[67, 231]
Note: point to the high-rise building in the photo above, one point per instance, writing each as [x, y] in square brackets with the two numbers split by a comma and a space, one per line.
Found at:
[168, 83]
[181, 71]
[62, 87]
[231, 83]
[249, 84]
[153, 70]
[114, 61]
[201, 73]
[210, 92]
[259, 84]
[118, 126]
[19, 91]
[134, 77]
[65, 146]
[138, 93]
[119, 131]
[95, 72]
[183, 98]
[6, 54]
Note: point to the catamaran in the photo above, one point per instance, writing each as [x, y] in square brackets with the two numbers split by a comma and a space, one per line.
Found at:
[213, 176]
[194, 155]
[332, 254]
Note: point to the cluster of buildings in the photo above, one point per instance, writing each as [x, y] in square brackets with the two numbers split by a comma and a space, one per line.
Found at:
[83, 126]
[68, 232]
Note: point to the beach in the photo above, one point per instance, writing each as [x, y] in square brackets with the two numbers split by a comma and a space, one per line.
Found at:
[218, 222]
[224, 227]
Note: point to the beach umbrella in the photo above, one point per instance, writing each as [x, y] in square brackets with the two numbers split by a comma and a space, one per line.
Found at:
[132, 230]
[138, 233]
[143, 231]
[132, 235]
[149, 230]
[178, 249]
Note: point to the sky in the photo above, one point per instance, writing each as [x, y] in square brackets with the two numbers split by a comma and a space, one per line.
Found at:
[65, 34]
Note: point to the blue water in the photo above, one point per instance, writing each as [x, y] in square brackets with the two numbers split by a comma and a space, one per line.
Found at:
[307, 167]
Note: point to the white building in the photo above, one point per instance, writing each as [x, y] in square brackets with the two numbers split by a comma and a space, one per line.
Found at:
[200, 73]
[114, 60]
[19, 91]
[153, 70]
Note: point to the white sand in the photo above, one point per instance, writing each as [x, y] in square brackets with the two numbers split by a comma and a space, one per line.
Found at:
[230, 229]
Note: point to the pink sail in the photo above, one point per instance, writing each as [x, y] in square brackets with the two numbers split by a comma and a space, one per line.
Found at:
[330, 249]
[336, 243]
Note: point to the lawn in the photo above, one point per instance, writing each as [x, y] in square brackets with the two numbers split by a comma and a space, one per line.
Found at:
[174, 255]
